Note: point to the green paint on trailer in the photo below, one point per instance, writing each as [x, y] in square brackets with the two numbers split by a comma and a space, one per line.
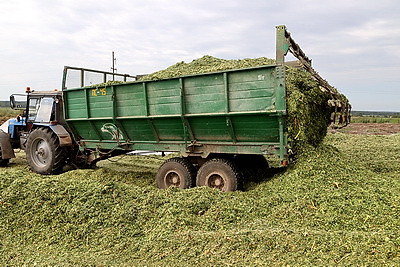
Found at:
[235, 111]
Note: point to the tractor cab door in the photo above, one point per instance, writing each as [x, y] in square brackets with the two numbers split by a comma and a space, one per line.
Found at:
[41, 110]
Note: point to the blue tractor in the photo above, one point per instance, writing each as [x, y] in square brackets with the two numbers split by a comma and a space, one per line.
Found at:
[39, 130]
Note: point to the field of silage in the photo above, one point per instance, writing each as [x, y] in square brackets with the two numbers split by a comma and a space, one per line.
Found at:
[338, 205]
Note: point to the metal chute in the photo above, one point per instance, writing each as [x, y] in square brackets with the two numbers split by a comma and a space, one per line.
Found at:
[341, 107]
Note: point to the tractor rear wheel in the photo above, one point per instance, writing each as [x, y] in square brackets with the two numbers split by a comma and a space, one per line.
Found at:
[177, 172]
[44, 153]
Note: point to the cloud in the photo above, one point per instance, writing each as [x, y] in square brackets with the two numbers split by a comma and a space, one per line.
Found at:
[349, 41]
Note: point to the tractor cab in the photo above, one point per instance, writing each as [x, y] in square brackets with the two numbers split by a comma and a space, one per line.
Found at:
[39, 107]
[39, 130]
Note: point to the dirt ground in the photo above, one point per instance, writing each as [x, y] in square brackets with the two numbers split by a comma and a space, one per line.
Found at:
[370, 128]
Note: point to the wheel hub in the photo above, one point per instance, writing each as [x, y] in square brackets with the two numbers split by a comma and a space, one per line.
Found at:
[41, 152]
[172, 178]
[215, 180]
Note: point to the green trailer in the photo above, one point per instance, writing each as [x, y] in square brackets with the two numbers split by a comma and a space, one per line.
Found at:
[232, 112]
[218, 122]
[205, 116]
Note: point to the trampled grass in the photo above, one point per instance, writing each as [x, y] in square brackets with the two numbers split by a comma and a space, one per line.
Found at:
[339, 205]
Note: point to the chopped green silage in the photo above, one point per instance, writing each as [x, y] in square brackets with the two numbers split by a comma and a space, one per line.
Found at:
[207, 64]
[108, 83]
[339, 205]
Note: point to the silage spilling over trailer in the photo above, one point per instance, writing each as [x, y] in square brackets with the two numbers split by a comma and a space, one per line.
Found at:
[309, 106]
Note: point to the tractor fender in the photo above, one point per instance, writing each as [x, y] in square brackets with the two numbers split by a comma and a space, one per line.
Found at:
[63, 135]
[7, 152]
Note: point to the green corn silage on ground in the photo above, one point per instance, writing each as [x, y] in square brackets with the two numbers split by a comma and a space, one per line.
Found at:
[338, 205]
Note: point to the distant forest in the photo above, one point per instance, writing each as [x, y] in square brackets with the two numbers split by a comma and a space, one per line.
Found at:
[4, 104]
[375, 114]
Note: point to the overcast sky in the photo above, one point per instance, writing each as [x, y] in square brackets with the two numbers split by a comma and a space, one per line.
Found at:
[355, 45]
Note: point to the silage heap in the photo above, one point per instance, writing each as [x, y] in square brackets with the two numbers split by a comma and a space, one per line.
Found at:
[307, 105]
[321, 212]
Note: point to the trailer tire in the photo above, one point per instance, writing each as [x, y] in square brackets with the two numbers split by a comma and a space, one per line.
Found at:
[44, 153]
[219, 173]
[177, 172]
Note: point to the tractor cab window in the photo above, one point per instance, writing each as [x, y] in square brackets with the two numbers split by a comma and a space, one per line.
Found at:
[33, 108]
[45, 109]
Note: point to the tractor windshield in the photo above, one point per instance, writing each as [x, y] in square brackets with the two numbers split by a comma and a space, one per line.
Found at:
[45, 109]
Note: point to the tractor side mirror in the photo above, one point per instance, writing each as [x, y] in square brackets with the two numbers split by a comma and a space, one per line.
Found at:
[12, 102]
[18, 101]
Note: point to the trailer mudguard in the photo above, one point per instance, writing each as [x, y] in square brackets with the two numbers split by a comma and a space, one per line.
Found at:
[7, 152]
[63, 135]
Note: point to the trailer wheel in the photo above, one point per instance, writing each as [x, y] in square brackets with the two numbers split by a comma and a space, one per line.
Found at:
[218, 173]
[177, 172]
[44, 153]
